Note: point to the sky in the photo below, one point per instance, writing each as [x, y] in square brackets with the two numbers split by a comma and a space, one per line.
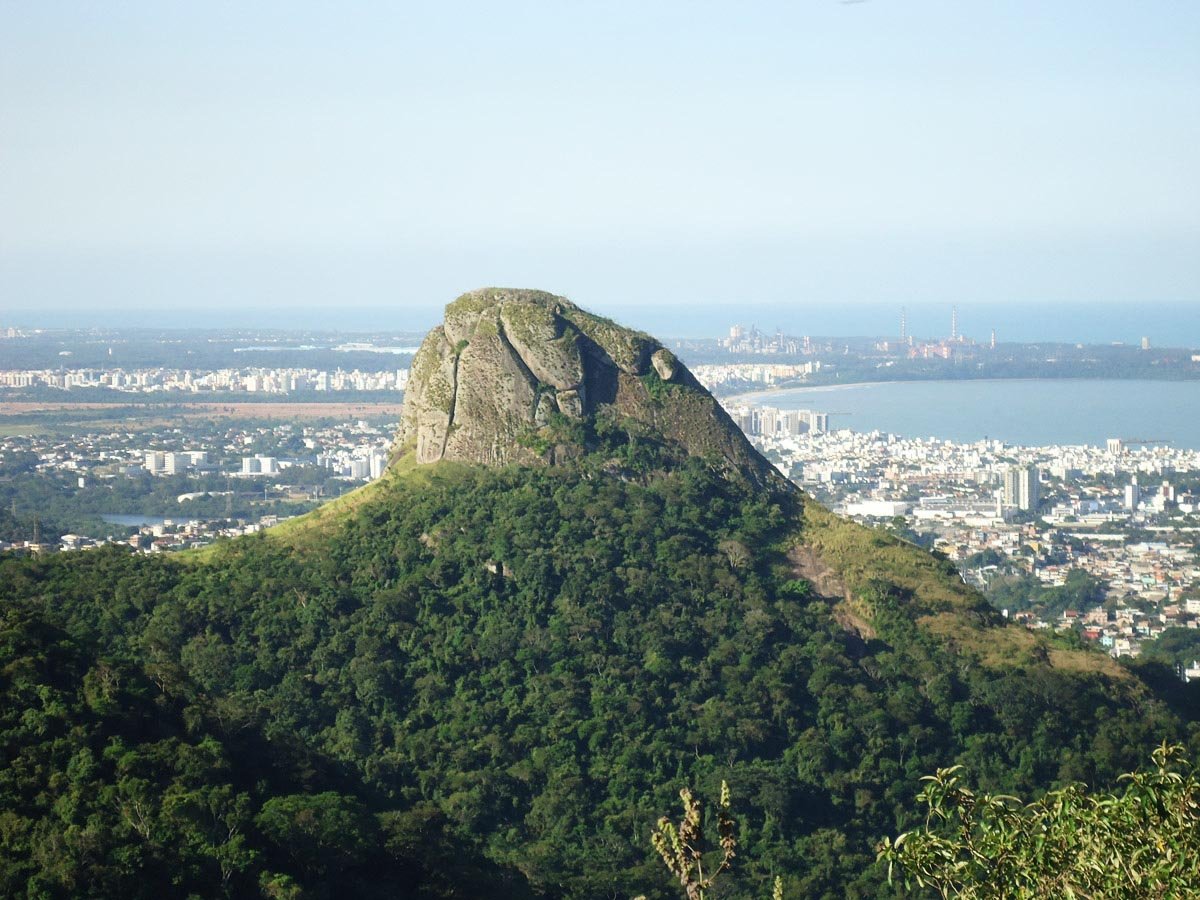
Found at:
[677, 160]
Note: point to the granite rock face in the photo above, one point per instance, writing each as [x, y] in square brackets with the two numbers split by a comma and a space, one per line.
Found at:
[505, 365]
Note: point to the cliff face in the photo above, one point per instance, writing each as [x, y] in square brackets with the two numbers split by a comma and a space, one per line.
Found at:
[506, 364]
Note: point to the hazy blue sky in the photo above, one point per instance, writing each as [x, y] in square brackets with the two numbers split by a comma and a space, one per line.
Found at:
[187, 155]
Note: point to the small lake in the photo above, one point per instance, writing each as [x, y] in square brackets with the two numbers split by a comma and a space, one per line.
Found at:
[136, 521]
[1029, 412]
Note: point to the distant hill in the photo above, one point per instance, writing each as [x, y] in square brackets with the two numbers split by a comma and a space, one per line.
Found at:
[576, 590]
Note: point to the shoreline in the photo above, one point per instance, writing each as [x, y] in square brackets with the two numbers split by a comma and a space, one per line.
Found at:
[834, 386]
[1025, 412]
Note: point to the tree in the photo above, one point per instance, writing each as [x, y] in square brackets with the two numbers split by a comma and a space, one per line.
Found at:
[321, 832]
[1142, 842]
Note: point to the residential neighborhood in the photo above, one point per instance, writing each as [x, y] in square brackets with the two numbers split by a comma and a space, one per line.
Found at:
[173, 488]
[1020, 522]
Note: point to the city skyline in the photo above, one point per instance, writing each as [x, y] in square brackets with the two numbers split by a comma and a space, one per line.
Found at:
[1165, 324]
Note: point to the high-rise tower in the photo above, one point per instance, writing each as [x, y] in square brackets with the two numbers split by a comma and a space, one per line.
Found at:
[1022, 488]
[903, 325]
[954, 322]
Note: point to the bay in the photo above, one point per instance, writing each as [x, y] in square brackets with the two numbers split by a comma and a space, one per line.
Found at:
[1027, 412]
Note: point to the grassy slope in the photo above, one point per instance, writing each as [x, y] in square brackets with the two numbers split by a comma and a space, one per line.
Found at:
[304, 532]
[940, 602]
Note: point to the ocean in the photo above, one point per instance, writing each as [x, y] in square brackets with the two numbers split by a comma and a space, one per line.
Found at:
[1165, 324]
[1032, 412]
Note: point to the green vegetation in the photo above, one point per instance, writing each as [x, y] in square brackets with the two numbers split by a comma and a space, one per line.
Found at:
[1161, 664]
[625, 347]
[1175, 647]
[1081, 591]
[461, 681]
[660, 391]
[1142, 841]
[558, 430]
[57, 499]
[60, 505]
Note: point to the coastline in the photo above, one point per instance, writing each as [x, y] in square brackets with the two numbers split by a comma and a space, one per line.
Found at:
[836, 386]
[1019, 411]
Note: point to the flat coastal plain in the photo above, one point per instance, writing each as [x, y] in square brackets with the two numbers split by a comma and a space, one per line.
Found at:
[217, 409]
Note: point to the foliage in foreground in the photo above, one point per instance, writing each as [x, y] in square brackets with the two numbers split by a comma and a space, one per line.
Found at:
[1141, 842]
[683, 848]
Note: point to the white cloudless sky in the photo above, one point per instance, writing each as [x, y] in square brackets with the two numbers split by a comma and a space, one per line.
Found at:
[288, 154]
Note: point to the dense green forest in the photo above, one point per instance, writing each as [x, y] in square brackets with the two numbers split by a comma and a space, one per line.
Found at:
[487, 682]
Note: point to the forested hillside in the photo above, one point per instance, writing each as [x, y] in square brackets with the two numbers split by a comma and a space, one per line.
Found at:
[489, 681]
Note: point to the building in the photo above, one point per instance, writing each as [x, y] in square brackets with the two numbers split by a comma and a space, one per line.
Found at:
[1022, 488]
[878, 509]
[793, 421]
[1133, 495]
[260, 465]
[378, 461]
[166, 462]
[156, 462]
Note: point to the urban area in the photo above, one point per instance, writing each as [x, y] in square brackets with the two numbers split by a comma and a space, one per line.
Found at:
[1101, 541]
[252, 380]
[175, 488]
[1096, 542]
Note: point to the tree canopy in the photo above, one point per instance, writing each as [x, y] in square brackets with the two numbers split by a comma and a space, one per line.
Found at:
[481, 682]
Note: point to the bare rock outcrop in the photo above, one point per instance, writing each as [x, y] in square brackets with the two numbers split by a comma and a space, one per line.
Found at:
[488, 384]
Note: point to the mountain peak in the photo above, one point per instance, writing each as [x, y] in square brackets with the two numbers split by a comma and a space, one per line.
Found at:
[509, 370]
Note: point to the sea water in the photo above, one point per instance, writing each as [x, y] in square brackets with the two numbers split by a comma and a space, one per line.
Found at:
[1028, 412]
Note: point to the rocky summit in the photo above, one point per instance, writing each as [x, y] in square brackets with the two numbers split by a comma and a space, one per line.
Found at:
[497, 382]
